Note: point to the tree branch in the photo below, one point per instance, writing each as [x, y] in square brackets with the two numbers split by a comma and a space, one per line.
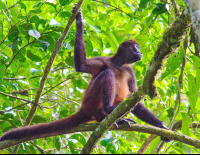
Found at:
[135, 127]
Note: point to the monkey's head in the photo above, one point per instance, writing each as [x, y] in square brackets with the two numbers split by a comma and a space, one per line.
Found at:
[129, 51]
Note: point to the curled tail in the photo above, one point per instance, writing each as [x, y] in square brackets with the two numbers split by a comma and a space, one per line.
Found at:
[47, 129]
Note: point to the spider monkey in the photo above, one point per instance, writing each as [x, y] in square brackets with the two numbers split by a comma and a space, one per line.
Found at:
[112, 81]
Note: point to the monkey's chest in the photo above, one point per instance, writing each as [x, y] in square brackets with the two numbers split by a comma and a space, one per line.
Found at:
[122, 89]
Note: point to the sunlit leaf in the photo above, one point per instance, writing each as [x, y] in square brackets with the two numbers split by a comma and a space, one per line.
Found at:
[57, 143]
[185, 124]
[7, 50]
[34, 33]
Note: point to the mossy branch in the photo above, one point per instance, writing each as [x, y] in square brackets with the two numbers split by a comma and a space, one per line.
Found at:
[135, 127]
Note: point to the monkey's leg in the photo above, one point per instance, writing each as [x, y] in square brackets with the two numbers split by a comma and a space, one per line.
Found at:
[145, 115]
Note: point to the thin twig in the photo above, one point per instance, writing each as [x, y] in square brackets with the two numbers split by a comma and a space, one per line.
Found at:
[18, 98]
[10, 7]
[23, 78]
[117, 9]
[18, 53]
[176, 10]
[58, 85]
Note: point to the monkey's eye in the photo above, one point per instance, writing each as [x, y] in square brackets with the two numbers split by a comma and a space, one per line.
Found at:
[136, 47]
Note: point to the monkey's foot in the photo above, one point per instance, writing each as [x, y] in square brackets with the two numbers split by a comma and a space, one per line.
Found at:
[123, 120]
[165, 139]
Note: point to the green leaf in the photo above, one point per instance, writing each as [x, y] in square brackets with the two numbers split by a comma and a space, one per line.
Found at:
[23, 6]
[185, 124]
[34, 33]
[51, 4]
[44, 44]
[97, 29]
[8, 116]
[2, 68]
[72, 147]
[2, 6]
[64, 2]
[13, 33]
[78, 137]
[36, 11]
[105, 141]
[37, 5]
[13, 46]
[154, 143]
[32, 56]
[55, 23]
[34, 19]
[64, 113]
[110, 148]
[144, 3]
[192, 90]
[173, 63]
[160, 8]
[196, 61]
[57, 143]
[7, 50]
[170, 112]
[33, 71]
[178, 149]
[64, 14]
[38, 119]
[112, 40]
[89, 47]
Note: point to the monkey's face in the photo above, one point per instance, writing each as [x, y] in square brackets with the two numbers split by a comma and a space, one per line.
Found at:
[133, 53]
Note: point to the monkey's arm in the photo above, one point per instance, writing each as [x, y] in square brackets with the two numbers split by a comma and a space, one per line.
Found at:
[81, 63]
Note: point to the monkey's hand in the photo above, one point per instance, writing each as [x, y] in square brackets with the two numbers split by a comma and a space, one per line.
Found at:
[124, 120]
[79, 17]
[74, 8]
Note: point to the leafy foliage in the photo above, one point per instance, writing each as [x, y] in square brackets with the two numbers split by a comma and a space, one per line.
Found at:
[28, 34]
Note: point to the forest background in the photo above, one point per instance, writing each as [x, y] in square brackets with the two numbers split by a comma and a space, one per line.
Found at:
[38, 82]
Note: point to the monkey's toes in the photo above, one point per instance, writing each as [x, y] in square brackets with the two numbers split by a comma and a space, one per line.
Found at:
[127, 121]
[165, 139]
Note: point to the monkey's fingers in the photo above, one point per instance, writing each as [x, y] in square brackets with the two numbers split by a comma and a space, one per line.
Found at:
[122, 121]
[131, 120]
[115, 124]
[74, 8]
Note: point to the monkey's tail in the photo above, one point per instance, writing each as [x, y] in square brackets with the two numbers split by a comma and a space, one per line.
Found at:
[47, 129]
